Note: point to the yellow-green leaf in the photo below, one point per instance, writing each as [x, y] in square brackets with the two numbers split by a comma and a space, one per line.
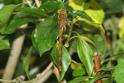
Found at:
[96, 15]
[121, 26]
[85, 55]
[76, 4]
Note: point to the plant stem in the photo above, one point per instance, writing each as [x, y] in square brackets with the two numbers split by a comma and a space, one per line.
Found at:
[97, 65]
[62, 24]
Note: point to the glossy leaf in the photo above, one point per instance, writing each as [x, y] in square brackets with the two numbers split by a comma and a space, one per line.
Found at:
[66, 61]
[4, 44]
[119, 71]
[85, 55]
[5, 14]
[45, 35]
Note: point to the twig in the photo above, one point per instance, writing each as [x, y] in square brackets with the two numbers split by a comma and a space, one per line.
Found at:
[56, 72]
[38, 3]
[14, 54]
[41, 78]
[97, 64]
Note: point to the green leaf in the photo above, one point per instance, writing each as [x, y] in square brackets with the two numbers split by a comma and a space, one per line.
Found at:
[45, 35]
[119, 71]
[96, 15]
[14, 24]
[5, 14]
[80, 80]
[78, 72]
[54, 54]
[81, 14]
[19, 70]
[26, 61]
[51, 6]
[66, 61]
[78, 69]
[99, 43]
[28, 11]
[4, 44]
[85, 55]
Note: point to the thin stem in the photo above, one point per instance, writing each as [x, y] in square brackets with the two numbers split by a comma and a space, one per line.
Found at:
[62, 24]
[97, 65]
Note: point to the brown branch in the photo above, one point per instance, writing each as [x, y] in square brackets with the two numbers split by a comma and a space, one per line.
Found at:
[14, 54]
[62, 24]
[97, 64]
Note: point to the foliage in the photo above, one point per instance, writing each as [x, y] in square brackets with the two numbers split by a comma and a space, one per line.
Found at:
[92, 26]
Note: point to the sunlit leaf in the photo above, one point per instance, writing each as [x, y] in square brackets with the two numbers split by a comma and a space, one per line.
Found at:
[76, 4]
[85, 55]
[121, 26]
[119, 71]
[96, 15]
[45, 35]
